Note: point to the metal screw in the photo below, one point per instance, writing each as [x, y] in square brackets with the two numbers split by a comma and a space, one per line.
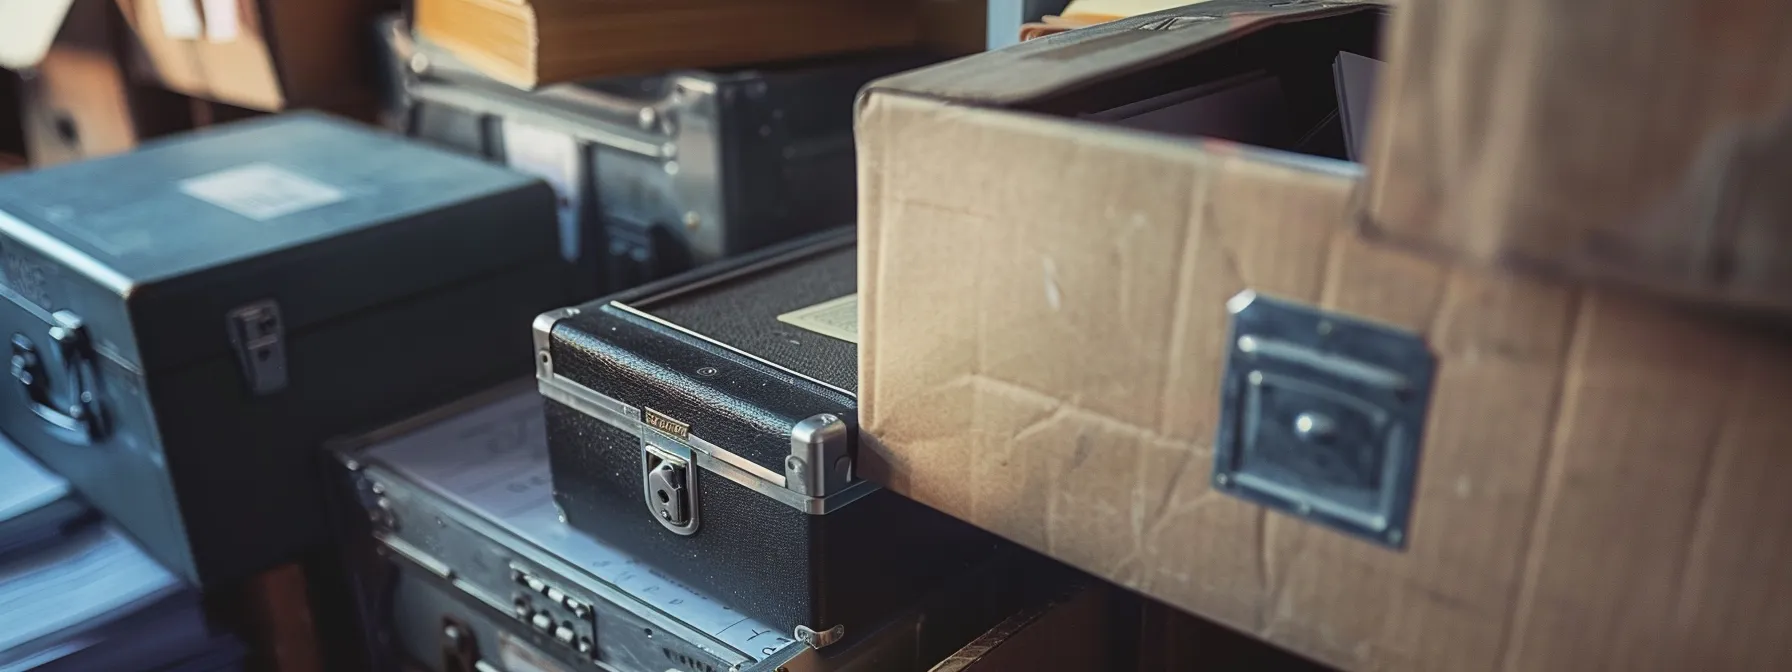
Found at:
[692, 220]
[419, 63]
[708, 371]
[1325, 327]
[1247, 344]
[648, 118]
[1222, 479]
[451, 632]
[671, 167]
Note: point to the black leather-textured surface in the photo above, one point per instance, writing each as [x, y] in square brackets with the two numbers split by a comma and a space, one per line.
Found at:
[852, 567]
[727, 399]
[743, 313]
[750, 552]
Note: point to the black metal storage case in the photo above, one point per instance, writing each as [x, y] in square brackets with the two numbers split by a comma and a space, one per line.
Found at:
[189, 321]
[658, 173]
[689, 426]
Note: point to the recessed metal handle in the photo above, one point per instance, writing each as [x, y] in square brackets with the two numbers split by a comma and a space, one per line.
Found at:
[75, 419]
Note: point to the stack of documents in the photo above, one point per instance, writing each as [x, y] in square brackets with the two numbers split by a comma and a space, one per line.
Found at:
[76, 594]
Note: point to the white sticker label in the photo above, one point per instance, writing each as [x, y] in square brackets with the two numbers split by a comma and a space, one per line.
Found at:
[180, 18]
[553, 157]
[221, 22]
[261, 191]
[520, 657]
[838, 318]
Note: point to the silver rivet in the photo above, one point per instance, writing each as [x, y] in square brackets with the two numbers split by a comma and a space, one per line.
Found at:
[419, 63]
[1394, 536]
[1325, 328]
[692, 220]
[1247, 344]
[1312, 427]
[648, 117]
[1222, 479]
[671, 167]
[1256, 378]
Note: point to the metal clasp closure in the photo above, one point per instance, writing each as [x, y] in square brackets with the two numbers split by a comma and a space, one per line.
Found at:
[668, 482]
[77, 418]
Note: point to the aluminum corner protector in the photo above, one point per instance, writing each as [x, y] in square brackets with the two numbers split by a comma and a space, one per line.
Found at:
[544, 337]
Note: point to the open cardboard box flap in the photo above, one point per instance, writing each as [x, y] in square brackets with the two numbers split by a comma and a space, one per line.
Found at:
[1644, 144]
[1033, 69]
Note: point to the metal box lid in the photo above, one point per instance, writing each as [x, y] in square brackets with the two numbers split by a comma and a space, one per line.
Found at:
[319, 216]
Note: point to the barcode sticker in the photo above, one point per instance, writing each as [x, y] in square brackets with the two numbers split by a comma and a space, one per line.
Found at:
[261, 191]
[838, 318]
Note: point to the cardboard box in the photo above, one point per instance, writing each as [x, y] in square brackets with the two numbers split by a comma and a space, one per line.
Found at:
[1045, 334]
[1643, 144]
[74, 98]
[260, 54]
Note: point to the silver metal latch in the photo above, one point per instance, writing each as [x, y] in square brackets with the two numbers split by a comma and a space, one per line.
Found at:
[76, 417]
[669, 482]
[258, 335]
[819, 639]
[820, 463]
[1321, 416]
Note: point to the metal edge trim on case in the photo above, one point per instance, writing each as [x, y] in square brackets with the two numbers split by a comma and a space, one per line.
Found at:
[670, 325]
[54, 248]
[819, 463]
[471, 101]
[705, 455]
[543, 328]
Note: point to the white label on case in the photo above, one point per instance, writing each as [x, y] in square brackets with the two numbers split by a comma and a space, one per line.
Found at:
[838, 318]
[261, 191]
[180, 18]
[221, 22]
[553, 157]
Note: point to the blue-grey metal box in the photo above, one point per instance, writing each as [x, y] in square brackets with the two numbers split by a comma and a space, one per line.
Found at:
[189, 321]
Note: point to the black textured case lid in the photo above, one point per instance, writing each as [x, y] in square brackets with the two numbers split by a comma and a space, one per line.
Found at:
[321, 215]
[742, 313]
[707, 349]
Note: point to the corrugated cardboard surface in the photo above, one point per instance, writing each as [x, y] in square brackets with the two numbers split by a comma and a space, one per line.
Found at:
[1646, 143]
[1044, 322]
